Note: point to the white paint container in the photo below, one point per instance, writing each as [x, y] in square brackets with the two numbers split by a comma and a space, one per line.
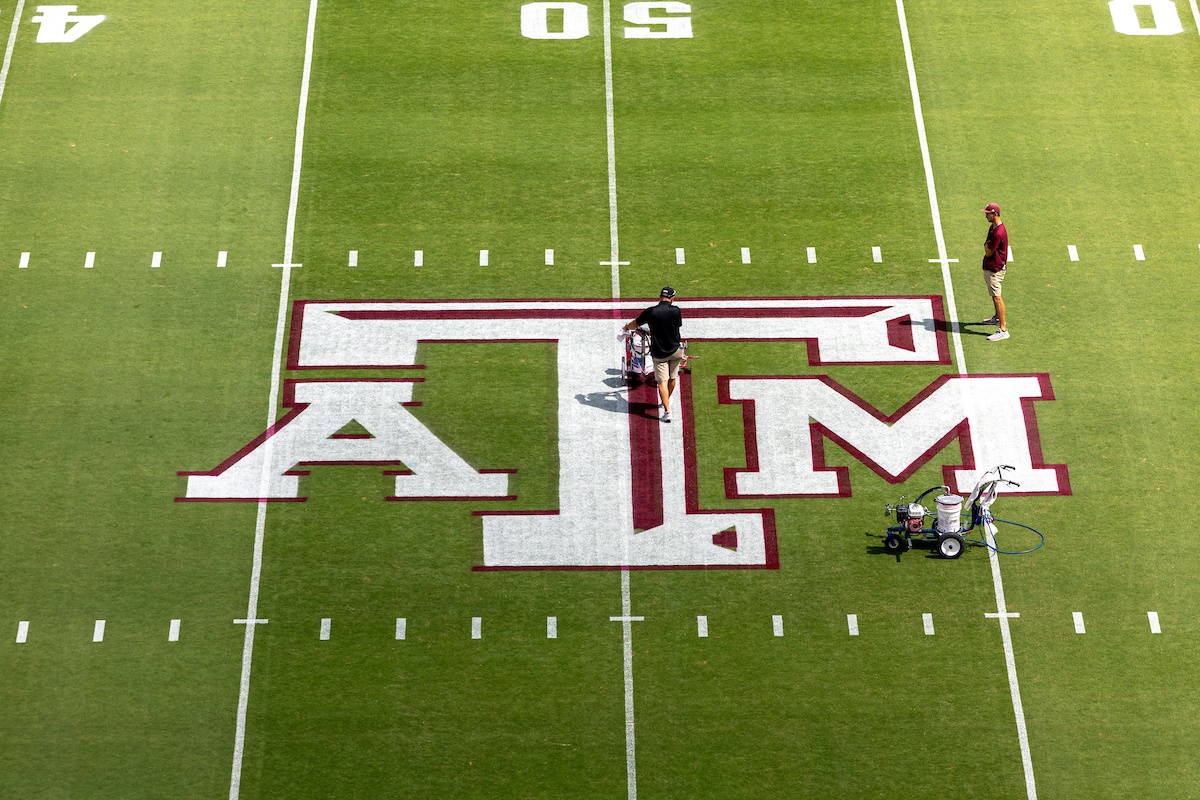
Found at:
[949, 513]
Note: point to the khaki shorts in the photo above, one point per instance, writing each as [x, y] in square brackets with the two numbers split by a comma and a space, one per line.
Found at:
[993, 281]
[668, 368]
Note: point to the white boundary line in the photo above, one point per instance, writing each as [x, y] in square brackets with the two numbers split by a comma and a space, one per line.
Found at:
[1002, 613]
[12, 42]
[251, 621]
[1196, 15]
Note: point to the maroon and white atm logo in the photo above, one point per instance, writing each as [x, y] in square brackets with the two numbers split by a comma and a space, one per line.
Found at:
[628, 492]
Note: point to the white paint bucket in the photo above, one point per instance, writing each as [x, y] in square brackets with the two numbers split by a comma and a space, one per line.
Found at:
[949, 513]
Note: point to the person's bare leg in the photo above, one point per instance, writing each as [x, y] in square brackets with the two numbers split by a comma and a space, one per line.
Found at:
[664, 394]
[1000, 312]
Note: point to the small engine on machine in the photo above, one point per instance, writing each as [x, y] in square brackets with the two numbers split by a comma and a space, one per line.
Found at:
[910, 516]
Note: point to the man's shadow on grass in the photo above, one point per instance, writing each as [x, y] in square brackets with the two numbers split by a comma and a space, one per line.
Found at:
[946, 326]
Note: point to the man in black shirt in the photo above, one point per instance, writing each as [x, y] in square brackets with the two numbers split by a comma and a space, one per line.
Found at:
[666, 348]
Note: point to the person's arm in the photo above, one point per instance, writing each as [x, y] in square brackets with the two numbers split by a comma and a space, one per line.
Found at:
[989, 247]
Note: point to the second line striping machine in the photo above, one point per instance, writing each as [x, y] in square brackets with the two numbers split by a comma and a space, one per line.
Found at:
[947, 536]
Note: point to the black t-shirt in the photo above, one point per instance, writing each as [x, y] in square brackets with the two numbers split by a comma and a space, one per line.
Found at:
[665, 321]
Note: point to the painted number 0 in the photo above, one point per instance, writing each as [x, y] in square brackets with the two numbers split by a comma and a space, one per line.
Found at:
[1164, 14]
[537, 21]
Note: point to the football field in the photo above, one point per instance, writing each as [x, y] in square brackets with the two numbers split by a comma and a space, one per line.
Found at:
[320, 478]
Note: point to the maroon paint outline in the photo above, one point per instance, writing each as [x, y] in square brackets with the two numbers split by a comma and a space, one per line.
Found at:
[288, 401]
[618, 309]
[691, 507]
[820, 433]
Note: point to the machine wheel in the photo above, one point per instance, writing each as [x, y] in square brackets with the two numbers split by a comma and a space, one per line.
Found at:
[951, 545]
[893, 544]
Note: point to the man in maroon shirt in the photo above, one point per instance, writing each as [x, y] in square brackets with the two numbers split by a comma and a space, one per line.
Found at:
[995, 259]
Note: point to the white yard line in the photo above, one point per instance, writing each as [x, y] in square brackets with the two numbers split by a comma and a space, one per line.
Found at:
[12, 42]
[614, 249]
[1196, 15]
[951, 307]
[252, 621]
[1002, 613]
[627, 619]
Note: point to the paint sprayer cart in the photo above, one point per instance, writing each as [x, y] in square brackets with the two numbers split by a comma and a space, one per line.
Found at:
[947, 536]
[636, 364]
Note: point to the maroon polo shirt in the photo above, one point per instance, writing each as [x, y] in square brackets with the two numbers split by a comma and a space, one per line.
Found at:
[997, 241]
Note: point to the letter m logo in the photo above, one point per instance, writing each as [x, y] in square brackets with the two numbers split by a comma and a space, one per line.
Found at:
[788, 420]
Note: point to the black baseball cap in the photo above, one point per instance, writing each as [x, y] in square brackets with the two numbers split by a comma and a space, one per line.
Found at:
[667, 291]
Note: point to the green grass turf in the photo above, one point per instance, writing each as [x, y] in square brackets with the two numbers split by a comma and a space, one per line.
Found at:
[437, 127]
[127, 142]
[1085, 131]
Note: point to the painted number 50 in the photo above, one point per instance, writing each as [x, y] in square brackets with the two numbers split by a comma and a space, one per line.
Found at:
[1164, 17]
[570, 21]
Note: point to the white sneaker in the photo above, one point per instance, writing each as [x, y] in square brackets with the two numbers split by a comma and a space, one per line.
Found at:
[664, 416]
[997, 336]
[993, 320]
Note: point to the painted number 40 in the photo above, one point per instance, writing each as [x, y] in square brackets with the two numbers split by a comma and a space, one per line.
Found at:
[570, 21]
[60, 24]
